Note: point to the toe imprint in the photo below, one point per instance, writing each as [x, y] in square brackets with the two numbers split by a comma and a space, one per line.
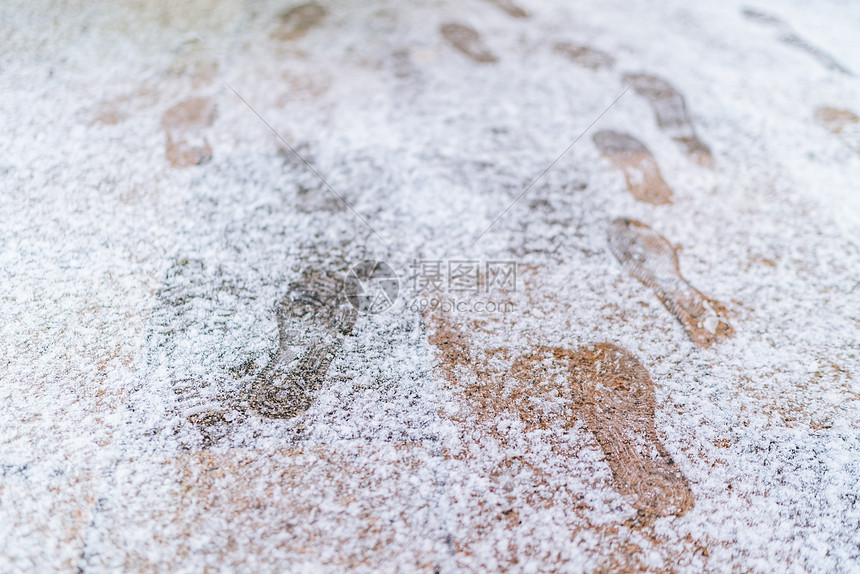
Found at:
[672, 116]
[297, 21]
[842, 123]
[467, 41]
[510, 8]
[585, 56]
[312, 318]
[650, 258]
[184, 125]
[761, 17]
[641, 171]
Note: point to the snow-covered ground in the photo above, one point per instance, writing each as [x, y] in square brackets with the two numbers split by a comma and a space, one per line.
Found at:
[151, 221]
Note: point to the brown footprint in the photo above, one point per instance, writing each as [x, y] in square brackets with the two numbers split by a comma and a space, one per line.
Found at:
[790, 37]
[641, 171]
[467, 41]
[510, 8]
[184, 125]
[614, 395]
[651, 259]
[607, 387]
[672, 116]
[298, 20]
[842, 123]
[585, 56]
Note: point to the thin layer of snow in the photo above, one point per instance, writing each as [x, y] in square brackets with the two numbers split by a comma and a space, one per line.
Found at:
[134, 295]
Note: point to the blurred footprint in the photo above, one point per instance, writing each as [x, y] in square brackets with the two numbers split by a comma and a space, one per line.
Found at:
[651, 259]
[842, 123]
[297, 21]
[641, 171]
[185, 124]
[823, 58]
[761, 17]
[672, 116]
[614, 394]
[510, 8]
[790, 37]
[189, 70]
[119, 109]
[585, 56]
[312, 318]
[467, 41]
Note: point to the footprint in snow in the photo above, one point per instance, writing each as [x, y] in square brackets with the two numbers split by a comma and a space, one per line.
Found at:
[843, 123]
[294, 23]
[788, 36]
[468, 42]
[510, 8]
[585, 56]
[312, 319]
[184, 125]
[641, 171]
[613, 394]
[672, 115]
[651, 259]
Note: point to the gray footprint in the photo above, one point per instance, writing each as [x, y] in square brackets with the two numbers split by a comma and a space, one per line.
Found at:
[672, 115]
[312, 319]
